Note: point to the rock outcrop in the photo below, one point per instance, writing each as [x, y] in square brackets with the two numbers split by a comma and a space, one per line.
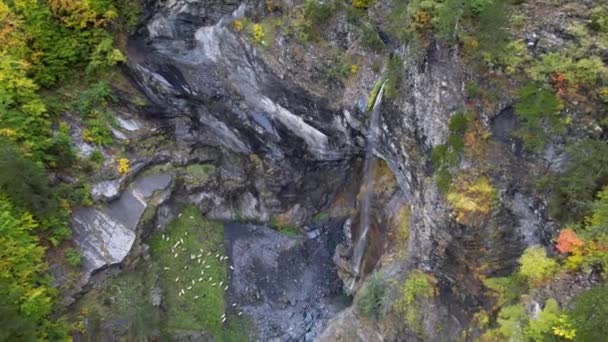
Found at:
[284, 145]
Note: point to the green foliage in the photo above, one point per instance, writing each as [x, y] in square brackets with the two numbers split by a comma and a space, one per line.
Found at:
[22, 267]
[473, 89]
[186, 257]
[509, 57]
[536, 106]
[97, 129]
[585, 175]
[479, 21]
[373, 95]
[370, 38]
[198, 174]
[25, 183]
[96, 157]
[507, 290]
[541, 328]
[473, 198]
[591, 251]
[104, 56]
[599, 19]
[536, 266]
[514, 324]
[15, 326]
[42, 43]
[394, 76]
[597, 222]
[124, 297]
[445, 156]
[98, 95]
[72, 257]
[75, 194]
[321, 217]
[319, 13]
[353, 15]
[61, 152]
[284, 226]
[314, 16]
[92, 105]
[370, 300]
[590, 314]
[417, 287]
[511, 323]
[588, 72]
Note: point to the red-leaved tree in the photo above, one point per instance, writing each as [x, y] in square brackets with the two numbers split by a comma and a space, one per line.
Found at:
[567, 241]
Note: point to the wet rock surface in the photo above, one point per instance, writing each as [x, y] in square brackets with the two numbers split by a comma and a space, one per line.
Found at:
[288, 286]
[105, 235]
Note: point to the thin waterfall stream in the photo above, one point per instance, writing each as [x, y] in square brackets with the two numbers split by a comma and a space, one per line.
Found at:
[368, 183]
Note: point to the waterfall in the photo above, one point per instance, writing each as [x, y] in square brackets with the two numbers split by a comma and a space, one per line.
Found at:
[368, 182]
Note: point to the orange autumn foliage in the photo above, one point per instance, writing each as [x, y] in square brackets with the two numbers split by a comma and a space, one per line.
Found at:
[567, 241]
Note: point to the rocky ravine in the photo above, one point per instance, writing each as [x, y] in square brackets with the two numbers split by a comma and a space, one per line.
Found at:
[281, 145]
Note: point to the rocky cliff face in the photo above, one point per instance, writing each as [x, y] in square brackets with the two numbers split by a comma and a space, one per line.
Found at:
[286, 141]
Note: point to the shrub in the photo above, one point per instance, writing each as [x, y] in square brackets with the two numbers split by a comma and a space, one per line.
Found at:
[353, 15]
[394, 76]
[585, 72]
[536, 266]
[585, 175]
[541, 328]
[97, 129]
[25, 183]
[511, 323]
[283, 224]
[536, 105]
[417, 287]
[362, 4]
[96, 157]
[473, 89]
[61, 151]
[445, 156]
[472, 198]
[568, 241]
[369, 301]
[258, 33]
[599, 19]
[318, 12]
[509, 57]
[507, 290]
[123, 165]
[104, 56]
[590, 314]
[370, 38]
[72, 257]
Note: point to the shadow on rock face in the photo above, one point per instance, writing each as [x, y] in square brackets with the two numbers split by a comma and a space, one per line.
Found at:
[287, 286]
[504, 126]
